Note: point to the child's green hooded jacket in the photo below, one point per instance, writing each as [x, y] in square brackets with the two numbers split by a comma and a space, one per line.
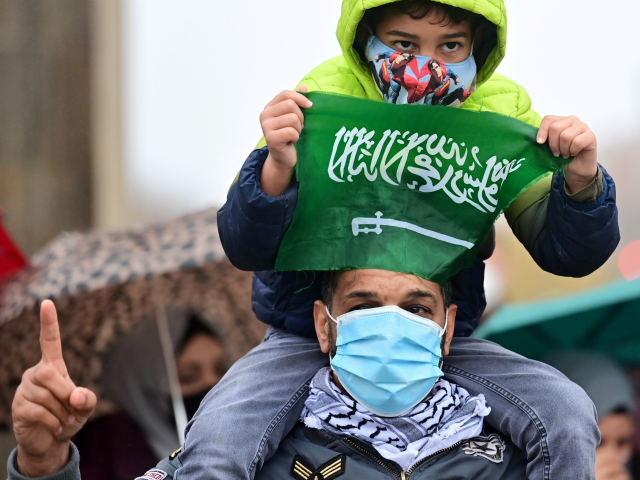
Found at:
[552, 225]
[347, 74]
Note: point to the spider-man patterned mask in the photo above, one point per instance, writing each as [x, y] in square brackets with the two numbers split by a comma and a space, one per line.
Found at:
[419, 80]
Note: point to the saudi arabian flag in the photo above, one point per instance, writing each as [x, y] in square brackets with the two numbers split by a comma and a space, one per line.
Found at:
[406, 188]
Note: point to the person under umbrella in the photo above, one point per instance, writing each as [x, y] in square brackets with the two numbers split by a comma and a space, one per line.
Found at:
[121, 444]
[105, 282]
[612, 394]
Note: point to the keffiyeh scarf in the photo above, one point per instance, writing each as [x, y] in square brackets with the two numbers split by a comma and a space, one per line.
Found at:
[448, 416]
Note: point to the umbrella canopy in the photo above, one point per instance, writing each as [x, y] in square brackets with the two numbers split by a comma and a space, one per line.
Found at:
[603, 320]
[104, 283]
[75, 263]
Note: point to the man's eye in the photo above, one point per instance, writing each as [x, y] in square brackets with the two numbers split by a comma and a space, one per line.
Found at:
[362, 306]
[451, 46]
[419, 310]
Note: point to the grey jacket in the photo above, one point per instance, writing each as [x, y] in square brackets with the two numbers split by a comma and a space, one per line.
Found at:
[307, 454]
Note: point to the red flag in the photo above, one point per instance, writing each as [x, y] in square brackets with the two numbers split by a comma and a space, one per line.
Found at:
[11, 258]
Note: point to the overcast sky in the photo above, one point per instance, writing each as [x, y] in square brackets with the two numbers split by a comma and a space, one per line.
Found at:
[198, 73]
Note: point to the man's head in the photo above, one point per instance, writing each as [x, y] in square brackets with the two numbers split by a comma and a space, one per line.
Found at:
[422, 27]
[350, 290]
[617, 431]
[612, 394]
[201, 362]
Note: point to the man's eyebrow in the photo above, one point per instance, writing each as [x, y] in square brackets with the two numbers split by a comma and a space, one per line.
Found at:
[400, 33]
[420, 294]
[361, 294]
[460, 34]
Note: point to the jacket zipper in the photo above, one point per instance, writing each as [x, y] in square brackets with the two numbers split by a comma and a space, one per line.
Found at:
[412, 469]
[399, 475]
[375, 458]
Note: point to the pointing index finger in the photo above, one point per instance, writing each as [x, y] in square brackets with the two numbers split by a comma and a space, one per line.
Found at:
[50, 343]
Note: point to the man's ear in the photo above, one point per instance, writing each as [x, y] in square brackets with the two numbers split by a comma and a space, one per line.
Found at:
[321, 320]
[451, 326]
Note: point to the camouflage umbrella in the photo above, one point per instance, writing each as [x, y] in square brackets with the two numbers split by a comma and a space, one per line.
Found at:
[103, 283]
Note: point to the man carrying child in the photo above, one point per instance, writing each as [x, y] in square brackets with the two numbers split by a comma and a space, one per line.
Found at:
[567, 222]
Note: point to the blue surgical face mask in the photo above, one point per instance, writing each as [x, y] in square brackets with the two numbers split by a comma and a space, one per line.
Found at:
[387, 358]
[416, 79]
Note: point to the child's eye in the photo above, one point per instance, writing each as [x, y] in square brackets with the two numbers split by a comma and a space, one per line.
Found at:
[451, 47]
[404, 45]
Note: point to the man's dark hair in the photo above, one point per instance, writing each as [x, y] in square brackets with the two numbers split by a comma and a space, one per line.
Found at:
[330, 286]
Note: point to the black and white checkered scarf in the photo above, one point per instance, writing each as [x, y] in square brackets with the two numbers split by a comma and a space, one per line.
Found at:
[444, 418]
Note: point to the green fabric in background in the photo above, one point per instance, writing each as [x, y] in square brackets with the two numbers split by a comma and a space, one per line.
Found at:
[404, 187]
[603, 320]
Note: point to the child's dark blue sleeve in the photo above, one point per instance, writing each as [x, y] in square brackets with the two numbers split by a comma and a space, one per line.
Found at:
[251, 223]
[575, 238]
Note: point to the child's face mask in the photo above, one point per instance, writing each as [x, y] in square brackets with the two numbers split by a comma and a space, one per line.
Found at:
[416, 79]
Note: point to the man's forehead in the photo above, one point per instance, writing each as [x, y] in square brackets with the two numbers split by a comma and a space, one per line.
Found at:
[383, 281]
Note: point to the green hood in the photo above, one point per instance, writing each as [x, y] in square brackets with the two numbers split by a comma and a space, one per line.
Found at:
[353, 11]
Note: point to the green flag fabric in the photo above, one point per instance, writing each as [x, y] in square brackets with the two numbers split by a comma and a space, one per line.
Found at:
[406, 188]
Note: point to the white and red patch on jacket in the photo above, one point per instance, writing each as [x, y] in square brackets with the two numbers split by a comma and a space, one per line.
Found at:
[153, 474]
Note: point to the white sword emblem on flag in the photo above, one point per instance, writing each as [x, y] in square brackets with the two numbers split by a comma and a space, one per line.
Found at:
[357, 222]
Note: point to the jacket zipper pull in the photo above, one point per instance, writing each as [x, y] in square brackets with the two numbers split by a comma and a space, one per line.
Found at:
[402, 476]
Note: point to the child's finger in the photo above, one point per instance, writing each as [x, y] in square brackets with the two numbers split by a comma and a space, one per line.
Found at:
[283, 108]
[555, 130]
[543, 131]
[281, 138]
[582, 142]
[302, 88]
[301, 100]
[285, 121]
[567, 136]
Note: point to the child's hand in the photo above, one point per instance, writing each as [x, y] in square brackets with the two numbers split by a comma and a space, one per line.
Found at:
[570, 137]
[282, 122]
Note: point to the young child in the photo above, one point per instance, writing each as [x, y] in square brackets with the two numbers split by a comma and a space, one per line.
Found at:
[567, 222]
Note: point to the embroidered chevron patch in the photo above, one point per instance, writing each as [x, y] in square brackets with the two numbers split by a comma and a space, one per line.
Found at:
[304, 470]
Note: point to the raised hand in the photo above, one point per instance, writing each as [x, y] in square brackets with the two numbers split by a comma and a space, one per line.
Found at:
[282, 120]
[569, 137]
[48, 408]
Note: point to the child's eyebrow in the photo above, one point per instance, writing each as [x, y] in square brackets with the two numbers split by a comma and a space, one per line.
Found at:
[460, 34]
[400, 33]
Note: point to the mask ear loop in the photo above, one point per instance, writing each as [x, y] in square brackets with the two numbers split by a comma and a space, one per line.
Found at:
[444, 330]
[329, 313]
[446, 321]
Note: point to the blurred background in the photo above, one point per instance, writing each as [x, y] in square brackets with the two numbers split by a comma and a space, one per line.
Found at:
[115, 113]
